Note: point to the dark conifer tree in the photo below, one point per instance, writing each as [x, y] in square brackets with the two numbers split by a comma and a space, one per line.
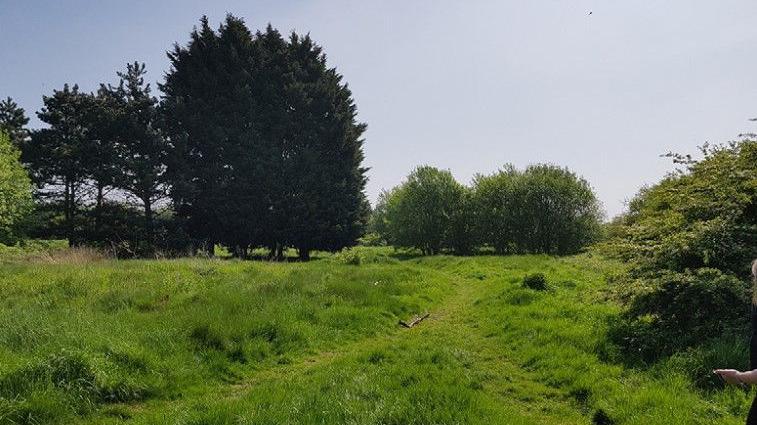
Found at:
[13, 122]
[208, 105]
[266, 150]
[58, 156]
[325, 176]
[139, 145]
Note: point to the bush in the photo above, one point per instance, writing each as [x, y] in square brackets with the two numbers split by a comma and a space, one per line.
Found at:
[544, 209]
[360, 255]
[428, 212]
[680, 311]
[703, 216]
[536, 281]
[15, 191]
[690, 239]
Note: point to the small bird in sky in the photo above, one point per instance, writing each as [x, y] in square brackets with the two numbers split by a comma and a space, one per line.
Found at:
[590, 12]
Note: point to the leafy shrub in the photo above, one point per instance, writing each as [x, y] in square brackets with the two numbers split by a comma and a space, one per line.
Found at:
[681, 310]
[544, 209]
[371, 239]
[690, 240]
[15, 190]
[536, 281]
[358, 255]
[702, 216]
[429, 211]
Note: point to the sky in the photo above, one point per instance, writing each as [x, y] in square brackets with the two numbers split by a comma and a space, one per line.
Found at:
[603, 87]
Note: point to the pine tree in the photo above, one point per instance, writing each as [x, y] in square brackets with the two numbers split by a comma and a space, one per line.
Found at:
[58, 156]
[73, 160]
[13, 122]
[139, 145]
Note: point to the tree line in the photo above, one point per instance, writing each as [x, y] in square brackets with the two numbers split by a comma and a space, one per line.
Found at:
[254, 142]
[542, 209]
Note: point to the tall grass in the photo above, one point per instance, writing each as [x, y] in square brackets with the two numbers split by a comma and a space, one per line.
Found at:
[208, 341]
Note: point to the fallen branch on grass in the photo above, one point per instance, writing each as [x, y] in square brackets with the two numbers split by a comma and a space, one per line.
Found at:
[415, 320]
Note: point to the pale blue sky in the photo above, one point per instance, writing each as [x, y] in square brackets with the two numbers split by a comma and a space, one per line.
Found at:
[462, 85]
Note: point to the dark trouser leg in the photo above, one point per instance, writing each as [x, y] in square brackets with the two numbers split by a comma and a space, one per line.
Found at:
[751, 418]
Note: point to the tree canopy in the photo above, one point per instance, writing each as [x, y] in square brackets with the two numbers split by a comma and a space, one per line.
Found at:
[13, 122]
[543, 209]
[426, 212]
[15, 189]
[266, 149]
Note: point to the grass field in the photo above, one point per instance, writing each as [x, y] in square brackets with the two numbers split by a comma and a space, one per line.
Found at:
[198, 341]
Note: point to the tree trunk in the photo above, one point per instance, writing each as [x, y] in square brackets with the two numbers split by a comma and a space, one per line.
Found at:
[149, 222]
[304, 253]
[211, 248]
[98, 210]
[69, 212]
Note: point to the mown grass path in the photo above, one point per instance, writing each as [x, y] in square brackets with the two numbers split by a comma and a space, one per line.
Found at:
[449, 326]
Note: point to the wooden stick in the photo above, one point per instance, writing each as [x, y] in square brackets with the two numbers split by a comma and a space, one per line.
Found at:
[415, 321]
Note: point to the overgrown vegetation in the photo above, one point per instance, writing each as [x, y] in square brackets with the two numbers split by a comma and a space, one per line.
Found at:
[691, 239]
[224, 341]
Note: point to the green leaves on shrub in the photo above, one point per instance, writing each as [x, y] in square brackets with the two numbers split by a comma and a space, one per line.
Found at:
[430, 212]
[15, 190]
[690, 240]
[681, 310]
[543, 209]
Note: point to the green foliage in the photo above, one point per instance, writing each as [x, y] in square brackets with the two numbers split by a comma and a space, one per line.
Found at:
[429, 211]
[702, 216]
[544, 209]
[681, 310]
[15, 191]
[13, 122]
[140, 148]
[691, 239]
[267, 148]
[68, 153]
[210, 341]
[363, 255]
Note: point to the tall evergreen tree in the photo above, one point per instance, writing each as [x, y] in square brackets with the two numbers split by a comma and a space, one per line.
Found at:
[139, 145]
[56, 154]
[13, 122]
[72, 161]
[266, 147]
[326, 181]
[208, 107]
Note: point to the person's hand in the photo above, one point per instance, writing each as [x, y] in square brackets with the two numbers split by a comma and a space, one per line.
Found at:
[730, 376]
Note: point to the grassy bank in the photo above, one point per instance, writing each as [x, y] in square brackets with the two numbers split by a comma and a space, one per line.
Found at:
[228, 342]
